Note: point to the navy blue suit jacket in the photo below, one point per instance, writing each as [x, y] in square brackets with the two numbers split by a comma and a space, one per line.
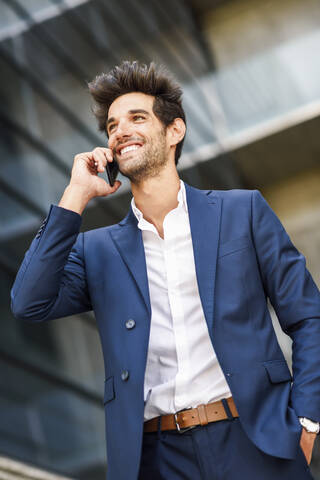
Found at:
[243, 256]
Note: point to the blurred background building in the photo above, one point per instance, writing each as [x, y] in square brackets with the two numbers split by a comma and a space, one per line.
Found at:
[250, 70]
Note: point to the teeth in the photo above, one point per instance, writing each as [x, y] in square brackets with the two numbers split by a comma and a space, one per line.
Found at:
[129, 148]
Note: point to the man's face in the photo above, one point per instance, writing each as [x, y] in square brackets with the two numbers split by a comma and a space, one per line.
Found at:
[138, 139]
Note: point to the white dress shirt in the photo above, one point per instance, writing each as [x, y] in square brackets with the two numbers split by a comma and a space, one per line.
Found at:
[182, 369]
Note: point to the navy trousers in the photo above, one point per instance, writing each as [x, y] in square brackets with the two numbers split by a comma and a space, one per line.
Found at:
[218, 451]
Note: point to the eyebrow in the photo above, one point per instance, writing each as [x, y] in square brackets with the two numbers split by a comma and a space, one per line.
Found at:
[132, 112]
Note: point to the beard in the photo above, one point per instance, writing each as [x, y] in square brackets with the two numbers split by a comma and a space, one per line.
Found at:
[147, 163]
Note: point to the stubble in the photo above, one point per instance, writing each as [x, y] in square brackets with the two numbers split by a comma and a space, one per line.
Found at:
[148, 163]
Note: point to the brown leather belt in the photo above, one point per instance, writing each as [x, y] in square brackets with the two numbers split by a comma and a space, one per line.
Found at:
[201, 415]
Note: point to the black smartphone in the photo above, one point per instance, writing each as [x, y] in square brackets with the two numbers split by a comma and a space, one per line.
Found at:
[112, 169]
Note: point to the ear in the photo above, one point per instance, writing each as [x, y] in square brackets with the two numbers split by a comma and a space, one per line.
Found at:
[176, 131]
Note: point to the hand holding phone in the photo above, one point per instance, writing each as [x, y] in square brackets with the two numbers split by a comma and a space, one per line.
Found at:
[85, 182]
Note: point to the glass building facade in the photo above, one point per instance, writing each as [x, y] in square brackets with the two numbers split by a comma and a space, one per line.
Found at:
[249, 71]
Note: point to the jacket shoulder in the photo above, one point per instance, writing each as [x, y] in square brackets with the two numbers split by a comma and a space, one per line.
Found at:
[235, 197]
[231, 194]
[234, 193]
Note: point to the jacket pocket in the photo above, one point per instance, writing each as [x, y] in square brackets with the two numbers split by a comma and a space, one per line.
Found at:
[278, 371]
[234, 245]
[108, 390]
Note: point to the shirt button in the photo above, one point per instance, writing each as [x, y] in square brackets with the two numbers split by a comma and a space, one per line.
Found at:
[124, 375]
[130, 324]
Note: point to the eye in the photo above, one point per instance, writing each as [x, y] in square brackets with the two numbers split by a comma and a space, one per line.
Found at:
[137, 117]
[111, 127]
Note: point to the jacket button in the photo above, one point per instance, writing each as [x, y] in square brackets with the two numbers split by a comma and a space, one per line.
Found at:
[130, 324]
[124, 375]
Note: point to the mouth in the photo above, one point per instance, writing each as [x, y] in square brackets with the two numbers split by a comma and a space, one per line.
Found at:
[124, 150]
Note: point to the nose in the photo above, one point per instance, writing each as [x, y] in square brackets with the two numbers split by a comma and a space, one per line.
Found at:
[121, 134]
[123, 130]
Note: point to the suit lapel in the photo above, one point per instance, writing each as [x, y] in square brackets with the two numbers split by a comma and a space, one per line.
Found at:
[128, 240]
[204, 216]
[204, 209]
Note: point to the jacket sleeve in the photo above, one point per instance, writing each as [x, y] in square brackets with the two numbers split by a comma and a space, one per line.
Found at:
[51, 281]
[296, 300]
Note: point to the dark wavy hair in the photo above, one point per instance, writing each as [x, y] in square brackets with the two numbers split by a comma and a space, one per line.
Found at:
[136, 77]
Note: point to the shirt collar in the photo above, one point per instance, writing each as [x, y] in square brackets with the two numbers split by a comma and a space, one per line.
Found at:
[182, 203]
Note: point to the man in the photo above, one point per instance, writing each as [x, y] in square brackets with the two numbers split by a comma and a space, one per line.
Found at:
[196, 384]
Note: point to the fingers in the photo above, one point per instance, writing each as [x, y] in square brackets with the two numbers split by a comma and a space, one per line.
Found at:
[92, 162]
[115, 187]
[107, 189]
[100, 156]
[84, 159]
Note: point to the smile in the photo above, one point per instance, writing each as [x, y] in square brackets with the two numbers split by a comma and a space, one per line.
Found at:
[129, 148]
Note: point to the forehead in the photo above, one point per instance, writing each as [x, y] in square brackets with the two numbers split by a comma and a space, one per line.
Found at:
[130, 101]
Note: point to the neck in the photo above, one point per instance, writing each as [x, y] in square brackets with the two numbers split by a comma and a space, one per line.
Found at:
[157, 196]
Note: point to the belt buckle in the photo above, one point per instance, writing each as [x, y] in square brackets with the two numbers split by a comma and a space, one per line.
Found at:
[179, 429]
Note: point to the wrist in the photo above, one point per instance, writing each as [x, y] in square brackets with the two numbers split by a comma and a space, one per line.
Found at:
[75, 198]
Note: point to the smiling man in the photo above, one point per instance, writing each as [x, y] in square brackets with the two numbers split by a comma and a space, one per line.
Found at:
[196, 384]
[146, 145]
